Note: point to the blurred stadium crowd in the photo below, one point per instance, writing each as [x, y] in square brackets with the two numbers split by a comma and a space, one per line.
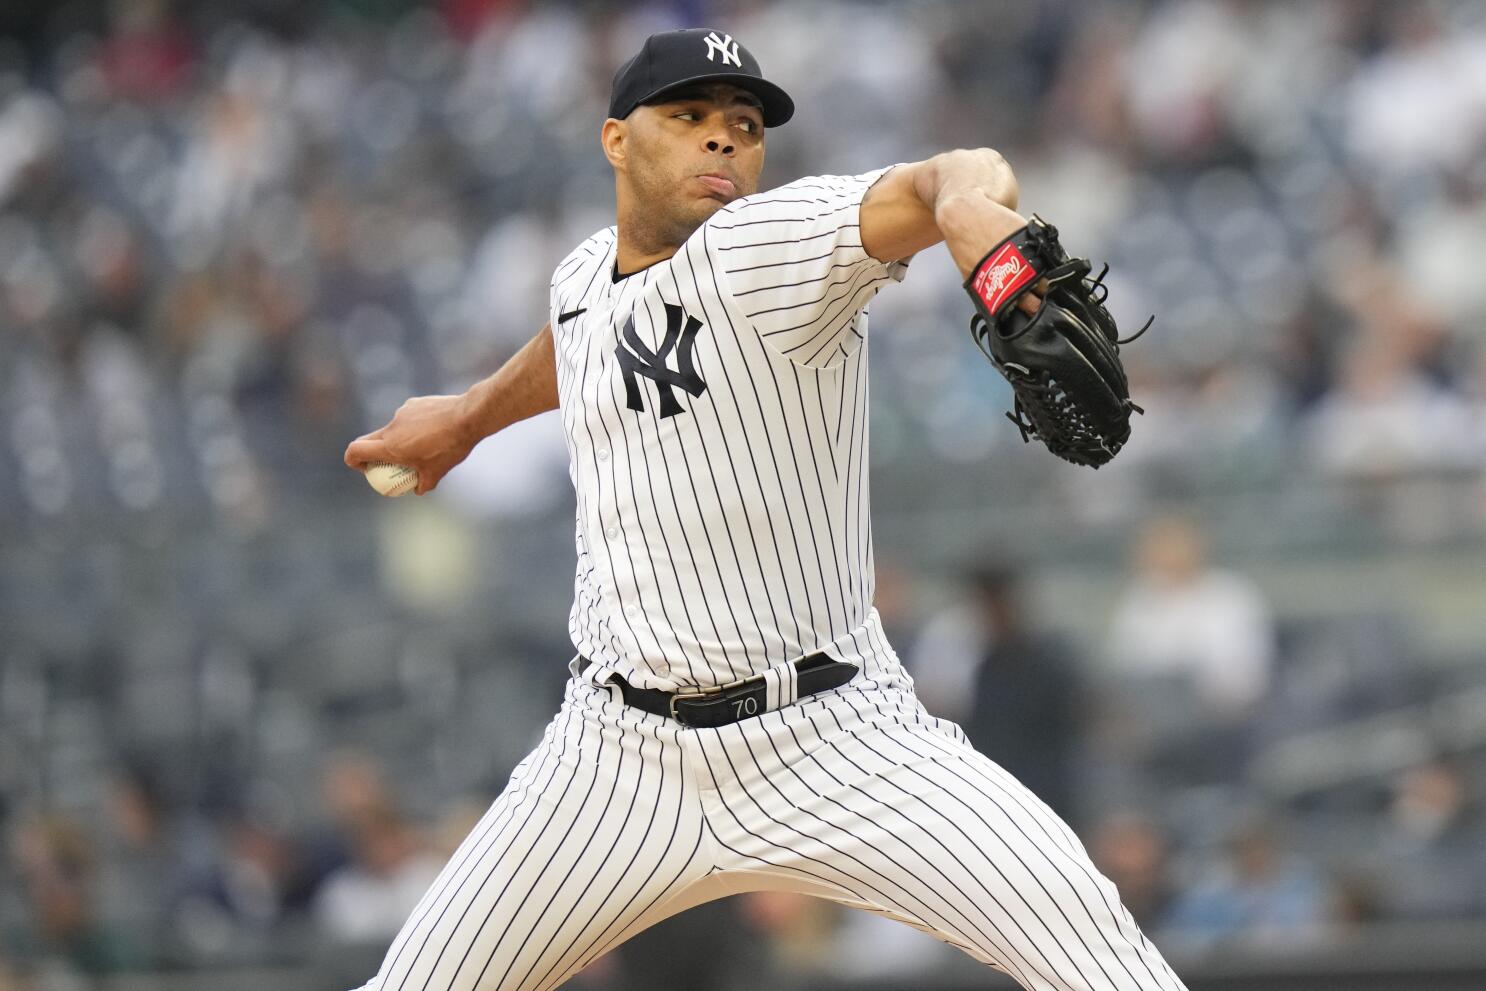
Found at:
[233, 236]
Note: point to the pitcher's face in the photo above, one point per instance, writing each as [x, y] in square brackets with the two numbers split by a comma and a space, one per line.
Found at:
[689, 153]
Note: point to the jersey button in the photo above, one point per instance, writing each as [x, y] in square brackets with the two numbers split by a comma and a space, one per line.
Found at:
[632, 611]
[612, 533]
[603, 454]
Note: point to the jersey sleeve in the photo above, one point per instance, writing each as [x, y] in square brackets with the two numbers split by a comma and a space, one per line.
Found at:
[793, 260]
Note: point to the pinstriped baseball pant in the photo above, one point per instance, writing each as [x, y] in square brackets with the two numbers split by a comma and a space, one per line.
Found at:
[620, 818]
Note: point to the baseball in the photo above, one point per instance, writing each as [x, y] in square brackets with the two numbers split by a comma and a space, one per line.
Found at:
[390, 479]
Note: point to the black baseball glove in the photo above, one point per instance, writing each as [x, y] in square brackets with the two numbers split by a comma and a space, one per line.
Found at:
[1064, 361]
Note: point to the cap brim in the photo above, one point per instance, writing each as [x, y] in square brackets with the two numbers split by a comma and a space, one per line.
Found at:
[778, 108]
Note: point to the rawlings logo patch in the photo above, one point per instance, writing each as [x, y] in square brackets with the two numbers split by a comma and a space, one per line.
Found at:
[998, 277]
[1001, 276]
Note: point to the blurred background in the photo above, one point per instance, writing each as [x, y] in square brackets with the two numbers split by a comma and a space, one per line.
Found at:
[247, 707]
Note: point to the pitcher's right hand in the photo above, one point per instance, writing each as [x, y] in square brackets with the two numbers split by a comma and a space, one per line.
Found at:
[428, 433]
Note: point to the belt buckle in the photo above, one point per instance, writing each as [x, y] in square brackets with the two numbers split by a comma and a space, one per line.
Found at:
[701, 693]
[683, 696]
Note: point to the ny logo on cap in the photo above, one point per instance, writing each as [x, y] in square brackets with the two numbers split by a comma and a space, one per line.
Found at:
[725, 45]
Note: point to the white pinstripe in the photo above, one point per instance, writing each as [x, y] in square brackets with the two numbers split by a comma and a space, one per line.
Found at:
[724, 540]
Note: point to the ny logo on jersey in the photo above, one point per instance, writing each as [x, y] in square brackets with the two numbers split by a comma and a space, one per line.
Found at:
[640, 360]
[725, 45]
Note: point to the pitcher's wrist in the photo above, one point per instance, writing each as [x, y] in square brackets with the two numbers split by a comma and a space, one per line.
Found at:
[471, 416]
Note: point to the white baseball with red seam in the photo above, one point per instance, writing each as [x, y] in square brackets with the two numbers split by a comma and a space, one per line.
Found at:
[390, 479]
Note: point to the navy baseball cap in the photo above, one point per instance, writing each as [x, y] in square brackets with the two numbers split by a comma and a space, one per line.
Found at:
[673, 59]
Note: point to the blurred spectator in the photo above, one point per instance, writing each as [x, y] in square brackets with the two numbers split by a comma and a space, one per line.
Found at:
[160, 888]
[1384, 418]
[1430, 857]
[262, 873]
[943, 655]
[1430, 808]
[56, 865]
[1026, 697]
[796, 931]
[390, 866]
[1259, 893]
[142, 881]
[1132, 852]
[1195, 53]
[1182, 616]
[369, 899]
[147, 57]
[1424, 64]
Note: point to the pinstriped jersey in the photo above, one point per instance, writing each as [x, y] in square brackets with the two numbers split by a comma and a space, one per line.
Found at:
[715, 410]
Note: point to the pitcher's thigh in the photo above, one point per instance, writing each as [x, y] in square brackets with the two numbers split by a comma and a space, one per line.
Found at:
[1011, 878]
[920, 827]
[596, 834]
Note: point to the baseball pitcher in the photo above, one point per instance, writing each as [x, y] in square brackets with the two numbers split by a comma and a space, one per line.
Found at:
[736, 719]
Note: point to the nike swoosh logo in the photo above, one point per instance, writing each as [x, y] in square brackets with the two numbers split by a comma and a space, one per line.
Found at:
[565, 317]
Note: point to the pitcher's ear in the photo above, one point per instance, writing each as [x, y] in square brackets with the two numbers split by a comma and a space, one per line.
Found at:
[613, 136]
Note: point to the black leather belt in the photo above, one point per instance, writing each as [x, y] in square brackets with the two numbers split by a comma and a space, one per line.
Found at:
[739, 699]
